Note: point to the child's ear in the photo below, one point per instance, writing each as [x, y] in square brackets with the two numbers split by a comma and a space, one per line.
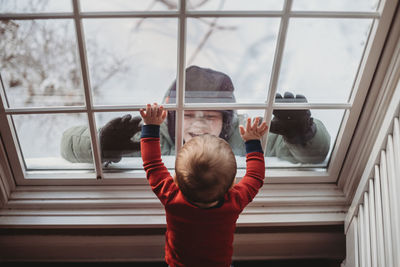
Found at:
[175, 179]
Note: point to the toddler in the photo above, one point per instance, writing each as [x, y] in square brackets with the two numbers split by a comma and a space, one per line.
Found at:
[202, 201]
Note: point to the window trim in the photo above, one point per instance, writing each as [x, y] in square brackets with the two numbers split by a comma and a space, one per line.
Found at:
[378, 113]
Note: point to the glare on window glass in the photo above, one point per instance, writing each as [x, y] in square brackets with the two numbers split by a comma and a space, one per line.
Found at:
[243, 48]
[46, 140]
[321, 57]
[131, 61]
[234, 5]
[33, 6]
[128, 5]
[40, 64]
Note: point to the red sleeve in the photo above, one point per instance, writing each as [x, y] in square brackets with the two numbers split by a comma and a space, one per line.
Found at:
[245, 191]
[160, 179]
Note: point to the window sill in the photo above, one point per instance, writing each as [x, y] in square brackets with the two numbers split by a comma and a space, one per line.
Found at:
[137, 207]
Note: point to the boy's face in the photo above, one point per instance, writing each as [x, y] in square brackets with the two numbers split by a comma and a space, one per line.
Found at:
[201, 122]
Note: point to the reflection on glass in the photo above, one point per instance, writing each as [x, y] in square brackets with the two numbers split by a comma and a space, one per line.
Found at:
[39, 63]
[34, 6]
[335, 5]
[234, 5]
[131, 61]
[243, 48]
[128, 5]
[321, 57]
[48, 141]
[291, 148]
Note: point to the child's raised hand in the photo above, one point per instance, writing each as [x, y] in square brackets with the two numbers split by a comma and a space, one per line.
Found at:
[253, 131]
[153, 114]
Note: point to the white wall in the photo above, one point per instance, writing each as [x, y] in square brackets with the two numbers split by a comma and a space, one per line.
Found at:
[373, 221]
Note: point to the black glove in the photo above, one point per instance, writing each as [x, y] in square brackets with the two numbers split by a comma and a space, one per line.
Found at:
[115, 138]
[296, 126]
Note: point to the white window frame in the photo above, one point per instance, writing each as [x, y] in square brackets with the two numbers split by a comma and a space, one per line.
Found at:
[352, 109]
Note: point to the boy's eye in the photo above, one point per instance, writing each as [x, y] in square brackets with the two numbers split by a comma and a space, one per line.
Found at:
[211, 117]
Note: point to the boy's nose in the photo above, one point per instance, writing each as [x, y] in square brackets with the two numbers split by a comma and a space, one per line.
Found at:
[199, 124]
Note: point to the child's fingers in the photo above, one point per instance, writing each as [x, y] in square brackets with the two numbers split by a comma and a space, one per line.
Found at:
[242, 130]
[264, 128]
[160, 111]
[164, 114]
[255, 124]
[263, 132]
[154, 109]
[248, 125]
[148, 110]
[142, 113]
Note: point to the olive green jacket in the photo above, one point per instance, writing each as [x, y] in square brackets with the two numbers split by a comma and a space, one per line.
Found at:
[76, 145]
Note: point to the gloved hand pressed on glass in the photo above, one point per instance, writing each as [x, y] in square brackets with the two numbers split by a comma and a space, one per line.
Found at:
[296, 126]
[115, 137]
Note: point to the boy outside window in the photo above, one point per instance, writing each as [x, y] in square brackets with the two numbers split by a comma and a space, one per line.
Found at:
[294, 135]
[202, 201]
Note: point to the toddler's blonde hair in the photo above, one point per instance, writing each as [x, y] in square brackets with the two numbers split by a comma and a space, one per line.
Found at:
[205, 168]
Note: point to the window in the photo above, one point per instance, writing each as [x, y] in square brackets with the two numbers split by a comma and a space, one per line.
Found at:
[75, 65]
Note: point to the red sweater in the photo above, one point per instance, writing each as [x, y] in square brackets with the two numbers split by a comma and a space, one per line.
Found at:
[197, 236]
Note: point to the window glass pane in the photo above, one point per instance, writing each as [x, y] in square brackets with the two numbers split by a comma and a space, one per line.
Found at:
[131, 61]
[242, 48]
[54, 141]
[128, 5]
[321, 57]
[312, 148]
[117, 138]
[39, 63]
[33, 6]
[235, 5]
[335, 5]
